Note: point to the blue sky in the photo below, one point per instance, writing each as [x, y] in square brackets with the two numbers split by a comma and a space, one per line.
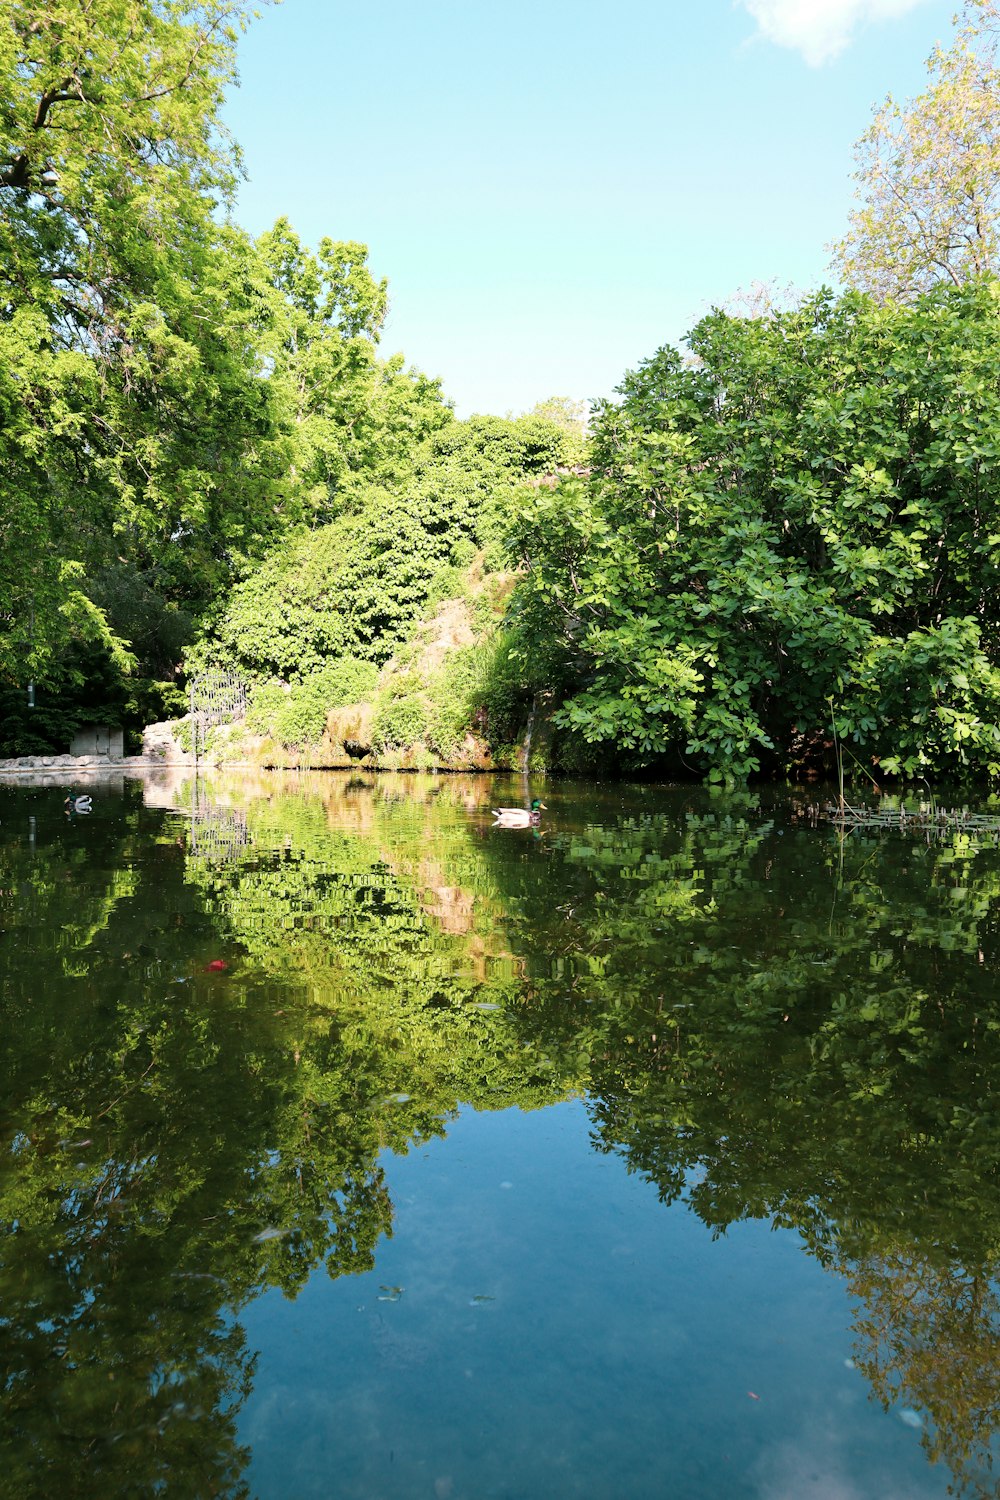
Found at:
[554, 190]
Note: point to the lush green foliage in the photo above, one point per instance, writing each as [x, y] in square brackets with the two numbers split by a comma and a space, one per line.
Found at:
[296, 714]
[111, 166]
[173, 396]
[346, 411]
[572, 417]
[431, 708]
[358, 586]
[178, 402]
[788, 541]
[798, 525]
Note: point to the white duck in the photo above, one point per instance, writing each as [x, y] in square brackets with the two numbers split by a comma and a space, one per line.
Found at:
[518, 817]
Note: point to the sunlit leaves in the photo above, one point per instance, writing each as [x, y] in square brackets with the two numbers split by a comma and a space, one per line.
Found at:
[784, 542]
[929, 173]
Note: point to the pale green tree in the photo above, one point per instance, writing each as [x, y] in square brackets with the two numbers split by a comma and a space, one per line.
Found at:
[346, 410]
[928, 173]
[571, 417]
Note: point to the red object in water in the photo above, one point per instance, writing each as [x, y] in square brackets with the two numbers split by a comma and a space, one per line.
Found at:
[216, 966]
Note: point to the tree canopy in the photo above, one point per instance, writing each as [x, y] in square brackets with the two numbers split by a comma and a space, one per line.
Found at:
[112, 164]
[792, 535]
[173, 395]
[929, 173]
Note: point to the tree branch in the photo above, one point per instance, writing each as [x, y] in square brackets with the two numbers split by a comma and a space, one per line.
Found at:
[17, 174]
[61, 95]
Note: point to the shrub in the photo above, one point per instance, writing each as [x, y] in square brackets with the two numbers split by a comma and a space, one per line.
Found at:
[399, 722]
[296, 715]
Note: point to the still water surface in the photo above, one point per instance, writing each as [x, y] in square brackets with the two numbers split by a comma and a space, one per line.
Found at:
[354, 1148]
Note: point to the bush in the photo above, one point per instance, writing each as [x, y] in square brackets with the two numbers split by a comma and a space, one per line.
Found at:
[399, 722]
[297, 714]
[356, 586]
[348, 680]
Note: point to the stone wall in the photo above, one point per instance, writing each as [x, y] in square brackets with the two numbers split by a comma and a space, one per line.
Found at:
[102, 740]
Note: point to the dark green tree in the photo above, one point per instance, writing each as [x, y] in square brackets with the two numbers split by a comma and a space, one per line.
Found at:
[795, 527]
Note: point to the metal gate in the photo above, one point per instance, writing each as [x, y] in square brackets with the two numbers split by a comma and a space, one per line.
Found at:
[216, 698]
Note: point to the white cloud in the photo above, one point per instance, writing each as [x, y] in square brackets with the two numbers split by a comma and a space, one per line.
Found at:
[820, 29]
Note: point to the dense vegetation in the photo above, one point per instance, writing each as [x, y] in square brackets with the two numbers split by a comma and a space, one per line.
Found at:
[792, 535]
[330, 606]
[776, 548]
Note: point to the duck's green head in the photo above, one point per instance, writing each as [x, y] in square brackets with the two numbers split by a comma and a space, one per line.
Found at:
[536, 806]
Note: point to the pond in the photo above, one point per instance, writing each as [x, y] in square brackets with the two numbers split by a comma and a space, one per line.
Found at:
[355, 1147]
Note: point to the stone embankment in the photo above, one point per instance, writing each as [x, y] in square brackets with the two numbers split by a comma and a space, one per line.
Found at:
[346, 745]
[159, 748]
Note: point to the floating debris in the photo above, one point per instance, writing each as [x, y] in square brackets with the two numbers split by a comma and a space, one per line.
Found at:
[928, 817]
[390, 1293]
[269, 1234]
[479, 1299]
[910, 1417]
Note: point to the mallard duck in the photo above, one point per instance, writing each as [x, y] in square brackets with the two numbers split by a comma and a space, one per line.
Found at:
[518, 817]
[74, 804]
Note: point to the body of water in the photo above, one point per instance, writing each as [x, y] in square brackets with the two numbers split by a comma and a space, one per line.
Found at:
[351, 1146]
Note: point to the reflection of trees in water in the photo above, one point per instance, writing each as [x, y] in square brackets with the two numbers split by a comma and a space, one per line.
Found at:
[98, 1400]
[381, 906]
[773, 1023]
[770, 1025]
[928, 1337]
[785, 1027]
[218, 835]
[179, 1139]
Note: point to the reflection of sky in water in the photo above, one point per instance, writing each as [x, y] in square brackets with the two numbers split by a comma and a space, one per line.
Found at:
[819, 1461]
[620, 1355]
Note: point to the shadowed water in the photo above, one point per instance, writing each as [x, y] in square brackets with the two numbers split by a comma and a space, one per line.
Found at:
[351, 1146]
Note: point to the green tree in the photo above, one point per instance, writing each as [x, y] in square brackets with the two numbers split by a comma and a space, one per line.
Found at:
[929, 173]
[347, 412]
[172, 394]
[797, 527]
[141, 455]
[571, 417]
